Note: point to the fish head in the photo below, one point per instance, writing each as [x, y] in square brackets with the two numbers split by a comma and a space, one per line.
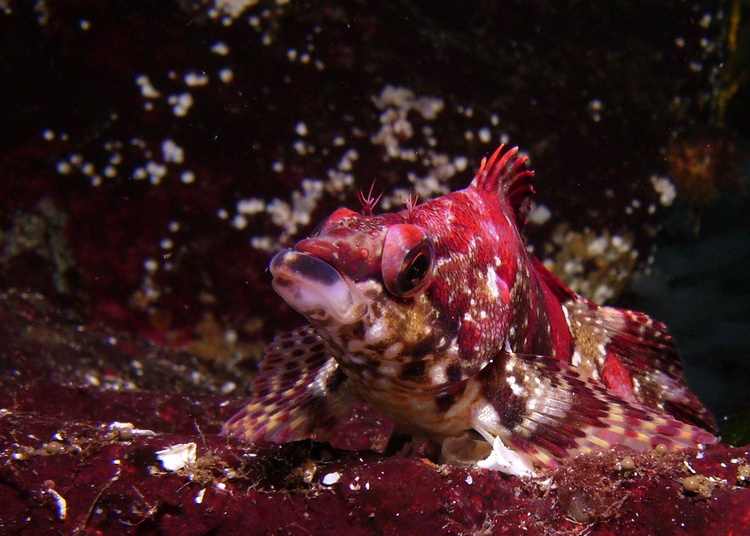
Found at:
[363, 283]
[421, 297]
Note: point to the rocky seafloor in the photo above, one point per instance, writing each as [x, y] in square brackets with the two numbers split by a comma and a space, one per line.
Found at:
[153, 157]
[104, 433]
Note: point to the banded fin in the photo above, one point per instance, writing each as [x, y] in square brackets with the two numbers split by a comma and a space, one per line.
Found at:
[630, 353]
[543, 410]
[507, 174]
[300, 392]
[643, 349]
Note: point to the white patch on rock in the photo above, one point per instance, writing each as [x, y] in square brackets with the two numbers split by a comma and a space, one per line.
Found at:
[503, 459]
[177, 456]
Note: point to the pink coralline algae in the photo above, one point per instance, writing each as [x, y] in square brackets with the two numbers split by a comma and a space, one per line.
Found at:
[106, 446]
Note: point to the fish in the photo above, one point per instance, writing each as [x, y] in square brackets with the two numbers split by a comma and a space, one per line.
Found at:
[440, 319]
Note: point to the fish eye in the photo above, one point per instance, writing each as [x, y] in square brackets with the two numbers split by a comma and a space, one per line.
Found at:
[414, 271]
[408, 258]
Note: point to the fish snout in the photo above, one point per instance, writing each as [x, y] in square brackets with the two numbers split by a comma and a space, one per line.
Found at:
[313, 287]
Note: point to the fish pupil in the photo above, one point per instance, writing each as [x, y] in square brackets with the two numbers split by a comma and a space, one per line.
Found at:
[416, 270]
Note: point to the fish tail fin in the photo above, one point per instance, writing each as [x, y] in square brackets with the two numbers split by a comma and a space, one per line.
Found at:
[629, 352]
[637, 357]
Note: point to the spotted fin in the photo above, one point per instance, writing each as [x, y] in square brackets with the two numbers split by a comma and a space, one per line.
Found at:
[543, 409]
[630, 353]
[640, 361]
[300, 392]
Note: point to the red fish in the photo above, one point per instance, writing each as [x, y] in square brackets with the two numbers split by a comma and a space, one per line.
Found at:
[440, 319]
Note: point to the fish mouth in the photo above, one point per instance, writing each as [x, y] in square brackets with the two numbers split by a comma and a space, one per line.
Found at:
[313, 287]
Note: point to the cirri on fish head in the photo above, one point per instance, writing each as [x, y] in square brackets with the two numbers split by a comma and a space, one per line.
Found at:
[439, 318]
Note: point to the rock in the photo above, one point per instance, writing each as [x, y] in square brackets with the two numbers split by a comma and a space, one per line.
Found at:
[83, 430]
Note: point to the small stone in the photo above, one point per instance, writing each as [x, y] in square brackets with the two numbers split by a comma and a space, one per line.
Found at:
[331, 478]
[691, 483]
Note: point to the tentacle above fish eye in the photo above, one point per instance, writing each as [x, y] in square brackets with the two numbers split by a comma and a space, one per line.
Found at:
[411, 201]
[408, 260]
[368, 202]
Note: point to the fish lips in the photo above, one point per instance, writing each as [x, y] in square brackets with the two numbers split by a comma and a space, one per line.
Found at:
[313, 287]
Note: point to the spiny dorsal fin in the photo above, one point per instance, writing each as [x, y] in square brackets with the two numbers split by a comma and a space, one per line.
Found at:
[508, 175]
[300, 392]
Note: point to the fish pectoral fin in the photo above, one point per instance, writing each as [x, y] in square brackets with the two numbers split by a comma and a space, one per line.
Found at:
[300, 392]
[636, 356]
[544, 410]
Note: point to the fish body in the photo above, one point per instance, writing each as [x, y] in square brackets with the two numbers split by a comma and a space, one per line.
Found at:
[440, 319]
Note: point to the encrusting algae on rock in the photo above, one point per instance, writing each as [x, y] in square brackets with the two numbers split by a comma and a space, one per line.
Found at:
[438, 317]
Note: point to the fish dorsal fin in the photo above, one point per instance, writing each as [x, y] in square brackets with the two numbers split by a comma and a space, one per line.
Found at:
[300, 392]
[507, 174]
[552, 282]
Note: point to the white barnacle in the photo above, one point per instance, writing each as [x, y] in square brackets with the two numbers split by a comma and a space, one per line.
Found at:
[147, 90]
[193, 79]
[251, 206]
[226, 75]
[220, 48]
[172, 152]
[180, 103]
[330, 479]
[177, 456]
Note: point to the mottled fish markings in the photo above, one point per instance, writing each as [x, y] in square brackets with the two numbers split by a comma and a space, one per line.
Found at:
[440, 319]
